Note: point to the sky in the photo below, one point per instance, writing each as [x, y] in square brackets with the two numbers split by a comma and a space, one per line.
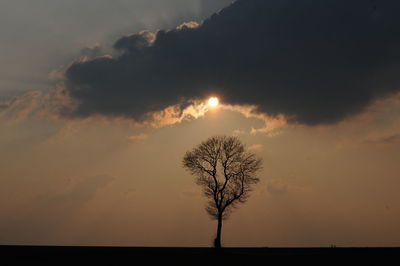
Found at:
[100, 100]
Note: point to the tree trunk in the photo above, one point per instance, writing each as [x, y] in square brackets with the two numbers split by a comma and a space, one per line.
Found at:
[217, 241]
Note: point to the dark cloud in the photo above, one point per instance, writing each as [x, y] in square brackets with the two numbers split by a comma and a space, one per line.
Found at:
[91, 52]
[314, 61]
[207, 7]
[135, 42]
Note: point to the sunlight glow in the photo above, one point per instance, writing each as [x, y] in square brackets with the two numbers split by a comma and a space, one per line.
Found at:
[213, 102]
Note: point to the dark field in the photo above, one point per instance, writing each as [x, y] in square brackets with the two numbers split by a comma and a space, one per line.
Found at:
[207, 256]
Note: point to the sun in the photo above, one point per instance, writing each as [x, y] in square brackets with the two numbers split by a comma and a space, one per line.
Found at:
[213, 102]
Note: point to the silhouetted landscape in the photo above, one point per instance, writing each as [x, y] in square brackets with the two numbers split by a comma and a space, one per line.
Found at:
[199, 131]
[208, 256]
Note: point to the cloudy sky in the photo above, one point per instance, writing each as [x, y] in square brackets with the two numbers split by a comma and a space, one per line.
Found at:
[100, 100]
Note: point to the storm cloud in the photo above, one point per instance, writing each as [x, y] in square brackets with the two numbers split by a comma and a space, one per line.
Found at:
[316, 62]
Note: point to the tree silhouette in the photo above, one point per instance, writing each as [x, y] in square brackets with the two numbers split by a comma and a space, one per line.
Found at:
[226, 171]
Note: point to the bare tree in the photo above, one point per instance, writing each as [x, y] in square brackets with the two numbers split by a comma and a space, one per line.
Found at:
[226, 171]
